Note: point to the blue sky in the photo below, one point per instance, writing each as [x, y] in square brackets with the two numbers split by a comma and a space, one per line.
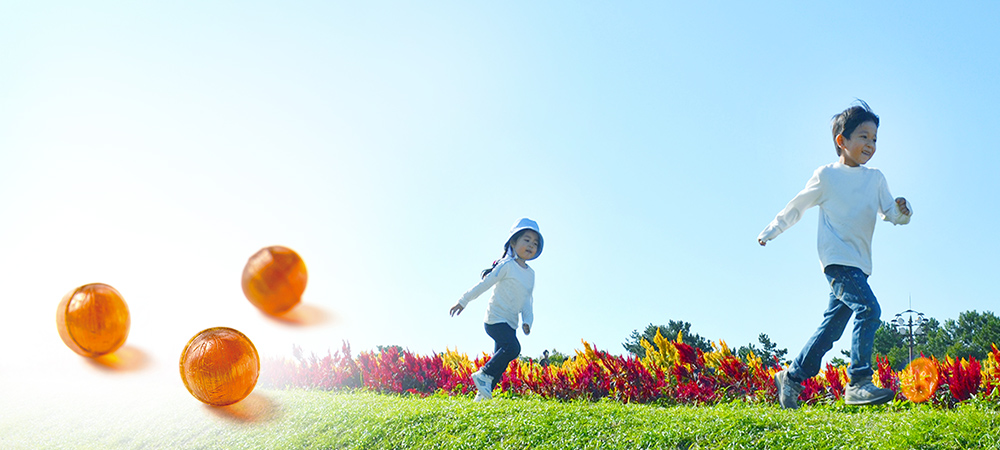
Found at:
[156, 147]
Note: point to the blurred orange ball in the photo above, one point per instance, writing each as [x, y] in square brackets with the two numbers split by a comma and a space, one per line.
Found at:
[920, 380]
[274, 279]
[93, 319]
[220, 366]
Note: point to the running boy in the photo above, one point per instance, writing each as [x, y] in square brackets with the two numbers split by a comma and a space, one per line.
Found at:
[850, 197]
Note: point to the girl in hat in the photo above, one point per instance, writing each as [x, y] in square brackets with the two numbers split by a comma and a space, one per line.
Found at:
[514, 281]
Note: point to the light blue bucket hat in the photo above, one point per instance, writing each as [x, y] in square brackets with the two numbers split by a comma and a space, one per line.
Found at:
[526, 224]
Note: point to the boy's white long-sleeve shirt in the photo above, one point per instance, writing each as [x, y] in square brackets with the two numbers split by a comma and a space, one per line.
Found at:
[511, 296]
[849, 199]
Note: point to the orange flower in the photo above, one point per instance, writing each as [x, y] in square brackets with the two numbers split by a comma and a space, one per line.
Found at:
[919, 380]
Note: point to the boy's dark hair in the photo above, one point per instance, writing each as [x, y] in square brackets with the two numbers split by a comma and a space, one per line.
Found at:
[505, 247]
[845, 122]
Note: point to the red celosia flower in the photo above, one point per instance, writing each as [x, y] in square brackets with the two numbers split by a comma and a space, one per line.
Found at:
[886, 377]
[832, 375]
[685, 353]
[963, 382]
[598, 375]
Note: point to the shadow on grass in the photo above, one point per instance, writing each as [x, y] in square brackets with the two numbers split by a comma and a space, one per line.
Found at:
[256, 408]
[126, 359]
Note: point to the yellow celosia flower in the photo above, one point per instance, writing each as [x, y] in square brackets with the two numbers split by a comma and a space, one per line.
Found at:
[714, 358]
[842, 374]
[458, 362]
[990, 368]
[753, 361]
[588, 351]
[663, 355]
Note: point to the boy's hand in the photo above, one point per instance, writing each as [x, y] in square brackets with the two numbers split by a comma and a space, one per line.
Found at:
[456, 310]
[761, 242]
[526, 328]
[901, 202]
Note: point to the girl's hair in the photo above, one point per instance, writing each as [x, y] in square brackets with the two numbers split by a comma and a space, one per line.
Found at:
[506, 248]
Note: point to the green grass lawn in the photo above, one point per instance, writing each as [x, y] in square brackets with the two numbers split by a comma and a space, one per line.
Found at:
[317, 419]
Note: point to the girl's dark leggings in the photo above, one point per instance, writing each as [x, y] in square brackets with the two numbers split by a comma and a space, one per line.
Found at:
[505, 349]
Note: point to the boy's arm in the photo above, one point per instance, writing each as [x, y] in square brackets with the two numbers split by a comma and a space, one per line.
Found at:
[805, 199]
[895, 210]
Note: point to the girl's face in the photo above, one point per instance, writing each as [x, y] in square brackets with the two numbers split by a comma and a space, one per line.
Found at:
[526, 245]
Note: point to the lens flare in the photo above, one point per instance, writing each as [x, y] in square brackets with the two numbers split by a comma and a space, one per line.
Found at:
[919, 380]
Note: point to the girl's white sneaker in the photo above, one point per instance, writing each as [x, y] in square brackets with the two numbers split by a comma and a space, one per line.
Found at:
[484, 384]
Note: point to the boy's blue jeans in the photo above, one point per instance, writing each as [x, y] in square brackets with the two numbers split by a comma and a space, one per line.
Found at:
[505, 349]
[849, 294]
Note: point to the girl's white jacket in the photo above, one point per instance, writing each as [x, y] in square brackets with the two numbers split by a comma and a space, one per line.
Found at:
[511, 296]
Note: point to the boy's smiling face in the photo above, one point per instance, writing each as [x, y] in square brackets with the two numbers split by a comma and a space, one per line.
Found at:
[859, 148]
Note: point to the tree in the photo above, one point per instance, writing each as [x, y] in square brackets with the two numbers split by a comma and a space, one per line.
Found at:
[893, 344]
[767, 352]
[935, 342]
[669, 331]
[385, 348]
[972, 335]
[837, 361]
[556, 358]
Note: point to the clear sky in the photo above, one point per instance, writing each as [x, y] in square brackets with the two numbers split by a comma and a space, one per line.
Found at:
[155, 147]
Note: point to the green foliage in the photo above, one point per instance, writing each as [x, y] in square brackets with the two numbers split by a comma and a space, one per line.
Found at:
[768, 351]
[298, 418]
[970, 335]
[937, 341]
[370, 421]
[555, 358]
[385, 348]
[669, 331]
[889, 342]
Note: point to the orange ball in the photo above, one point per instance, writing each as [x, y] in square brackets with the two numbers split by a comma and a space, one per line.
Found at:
[274, 279]
[220, 366]
[93, 319]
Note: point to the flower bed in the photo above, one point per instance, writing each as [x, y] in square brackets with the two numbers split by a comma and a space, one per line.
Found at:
[672, 372]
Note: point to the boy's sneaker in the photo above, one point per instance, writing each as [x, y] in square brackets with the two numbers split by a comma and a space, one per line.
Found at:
[484, 384]
[788, 390]
[479, 397]
[866, 393]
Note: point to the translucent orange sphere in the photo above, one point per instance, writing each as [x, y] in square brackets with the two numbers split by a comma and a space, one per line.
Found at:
[274, 279]
[220, 366]
[920, 380]
[93, 319]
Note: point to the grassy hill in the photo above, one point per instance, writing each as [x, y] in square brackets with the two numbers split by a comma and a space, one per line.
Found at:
[318, 419]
